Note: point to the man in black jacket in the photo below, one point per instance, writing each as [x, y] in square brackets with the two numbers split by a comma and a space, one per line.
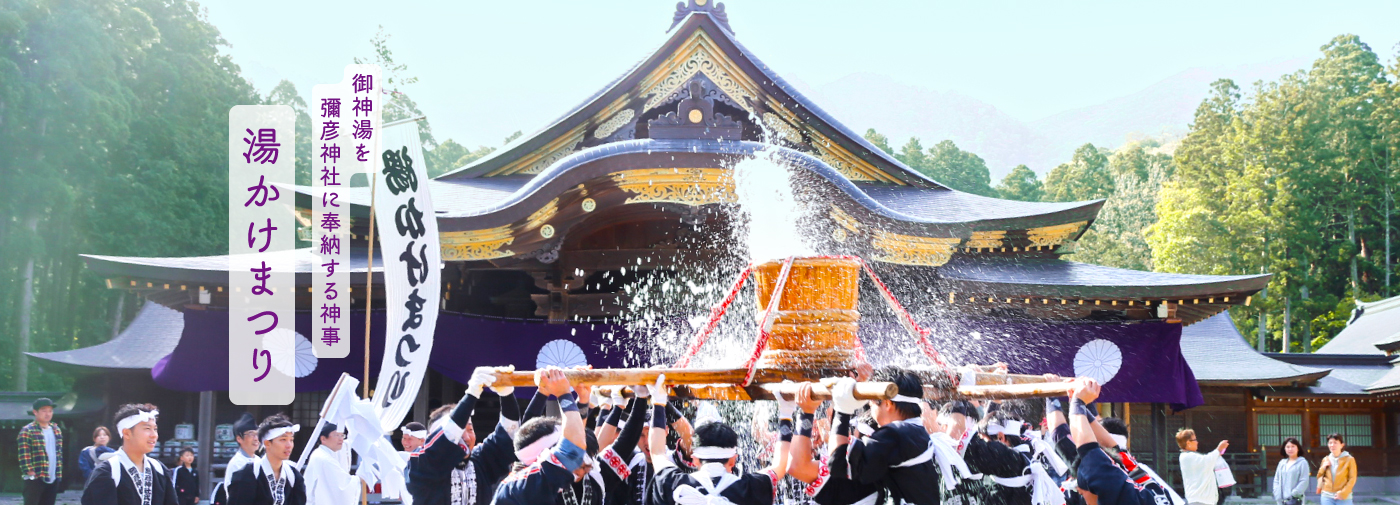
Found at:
[272, 479]
[131, 478]
[899, 454]
[451, 468]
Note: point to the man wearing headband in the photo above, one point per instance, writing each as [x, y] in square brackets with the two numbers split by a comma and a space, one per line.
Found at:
[828, 479]
[329, 483]
[899, 455]
[553, 454]
[271, 480]
[1098, 478]
[715, 452]
[131, 478]
[451, 468]
[414, 434]
[1007, 473]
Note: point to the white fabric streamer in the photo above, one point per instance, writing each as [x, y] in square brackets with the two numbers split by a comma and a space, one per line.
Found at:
[948, 459]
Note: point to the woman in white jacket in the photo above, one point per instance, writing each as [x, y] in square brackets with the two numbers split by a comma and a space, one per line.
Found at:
[1291, 478]
[1198, 470]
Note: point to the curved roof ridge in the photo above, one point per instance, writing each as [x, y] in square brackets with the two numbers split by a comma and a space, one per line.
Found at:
[798, 158]
[825, 116]
[524, 139]
[692, 23]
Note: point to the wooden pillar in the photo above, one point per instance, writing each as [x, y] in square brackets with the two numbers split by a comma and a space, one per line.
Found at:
[204, 461]
[1159, 437]
[420, 404]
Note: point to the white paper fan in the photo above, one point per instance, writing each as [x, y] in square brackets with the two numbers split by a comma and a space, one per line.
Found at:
[1099, 359]
[291, 352]
[561, 353]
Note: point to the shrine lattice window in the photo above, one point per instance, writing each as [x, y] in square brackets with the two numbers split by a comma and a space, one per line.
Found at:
[1354, 428]
[1273, 429]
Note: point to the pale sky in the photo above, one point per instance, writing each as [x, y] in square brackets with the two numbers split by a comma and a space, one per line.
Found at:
[487, 69]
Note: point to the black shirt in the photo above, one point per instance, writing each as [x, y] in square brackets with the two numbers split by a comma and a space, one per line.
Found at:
[101, 490]
[758, 488]
[876, 459]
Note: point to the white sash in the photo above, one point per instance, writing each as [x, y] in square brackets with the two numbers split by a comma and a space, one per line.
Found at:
[685, 494]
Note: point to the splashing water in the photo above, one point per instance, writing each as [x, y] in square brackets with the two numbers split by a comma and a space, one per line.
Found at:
[774, 213]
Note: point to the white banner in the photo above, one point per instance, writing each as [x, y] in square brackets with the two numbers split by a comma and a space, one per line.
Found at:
[261, 244]
[408, 234]
[345, 124]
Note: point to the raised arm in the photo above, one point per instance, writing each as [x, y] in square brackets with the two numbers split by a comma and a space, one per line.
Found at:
[801, 464]
[553, 380]
[656, 437]
[786, 408]
[1081, 427]
[626, 443]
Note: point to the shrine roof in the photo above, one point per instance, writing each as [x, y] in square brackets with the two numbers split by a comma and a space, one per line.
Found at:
[1352, 374]
[701, 43]
[213, 270]
[1069, 278]
[149, 337]
[1220, 356]
[1373, 329]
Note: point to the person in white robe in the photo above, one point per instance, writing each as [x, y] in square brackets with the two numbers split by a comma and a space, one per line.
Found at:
[328, 482]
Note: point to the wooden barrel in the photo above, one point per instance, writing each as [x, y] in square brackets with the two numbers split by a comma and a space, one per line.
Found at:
[817, 318]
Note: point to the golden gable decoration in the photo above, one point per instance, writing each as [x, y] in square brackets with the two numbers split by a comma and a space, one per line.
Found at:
[912, 250]
[1054, 235]
[685, 186]
[477, 244]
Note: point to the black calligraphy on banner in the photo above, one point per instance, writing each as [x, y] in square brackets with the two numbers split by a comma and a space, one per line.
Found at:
[409, 220]
[398, 171]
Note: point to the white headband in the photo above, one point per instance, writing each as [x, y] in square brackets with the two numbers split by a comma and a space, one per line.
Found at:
[905, 399]
[864, 428]
[277, 432]
[132, 420]
[994, 429]
[1013, 428]
[711, 452]
[528, 454]
[415, 433]
[1122, 441]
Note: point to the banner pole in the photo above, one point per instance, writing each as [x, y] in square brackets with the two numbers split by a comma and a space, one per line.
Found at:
[369, 285]
[369, 304]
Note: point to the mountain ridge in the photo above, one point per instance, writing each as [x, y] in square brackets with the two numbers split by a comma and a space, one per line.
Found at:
[1163, 109]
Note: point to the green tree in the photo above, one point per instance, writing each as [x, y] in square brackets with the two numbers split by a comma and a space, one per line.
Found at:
[449, 155]
[879, 140]
[396, 79]
[1118, 237]
[959, 169]
[944, 163]
[114, 119]
[912, 154]
[1021, 184]
[1085, 177]
[1294, 180]
[285, 93]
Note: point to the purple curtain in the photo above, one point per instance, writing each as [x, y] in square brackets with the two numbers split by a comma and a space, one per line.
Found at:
[1145, 358]
[462, 343]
